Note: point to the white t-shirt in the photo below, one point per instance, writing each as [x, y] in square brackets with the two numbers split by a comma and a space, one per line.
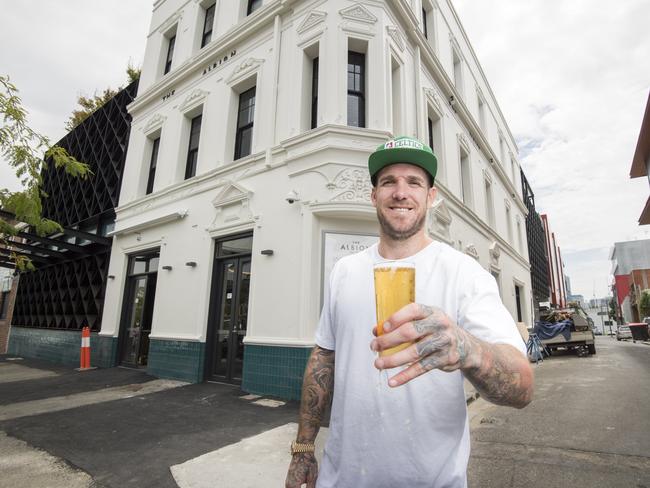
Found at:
[415, 435]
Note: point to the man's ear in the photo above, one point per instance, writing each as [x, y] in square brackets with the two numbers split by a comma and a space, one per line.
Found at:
[373, 196]
[431, 197]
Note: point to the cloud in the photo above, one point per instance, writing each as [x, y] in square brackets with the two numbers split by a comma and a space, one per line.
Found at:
[55, 51]
[572, 80]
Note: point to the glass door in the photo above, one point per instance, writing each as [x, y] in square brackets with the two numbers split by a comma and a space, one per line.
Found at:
[229, 309]
[139, 298]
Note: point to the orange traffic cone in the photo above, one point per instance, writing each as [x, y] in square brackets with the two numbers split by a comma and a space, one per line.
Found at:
[84, 353]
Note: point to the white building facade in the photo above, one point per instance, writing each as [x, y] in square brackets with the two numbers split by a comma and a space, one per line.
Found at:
[246, 175]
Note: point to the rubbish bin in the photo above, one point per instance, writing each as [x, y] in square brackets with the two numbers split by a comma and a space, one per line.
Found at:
[639, 331]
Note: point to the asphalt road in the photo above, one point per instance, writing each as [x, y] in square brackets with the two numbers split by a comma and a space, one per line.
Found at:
[588, 425]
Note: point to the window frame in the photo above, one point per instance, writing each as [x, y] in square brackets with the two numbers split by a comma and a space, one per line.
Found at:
[206, 36]
[240, 129]
[153, 162]
[314, 92]
[171, 43]
[191, 163]
[359, 95]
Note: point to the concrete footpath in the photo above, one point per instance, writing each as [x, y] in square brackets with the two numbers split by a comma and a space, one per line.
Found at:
[119, 427]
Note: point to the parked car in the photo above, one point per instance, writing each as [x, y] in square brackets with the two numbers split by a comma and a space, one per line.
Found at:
[623, 332]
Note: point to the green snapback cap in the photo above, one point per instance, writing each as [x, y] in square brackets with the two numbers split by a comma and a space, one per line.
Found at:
[403, 150]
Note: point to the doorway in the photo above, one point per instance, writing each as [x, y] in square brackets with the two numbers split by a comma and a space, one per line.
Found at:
[228, 318]
[139, 298]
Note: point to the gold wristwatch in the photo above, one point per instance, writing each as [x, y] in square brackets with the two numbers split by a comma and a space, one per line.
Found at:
[299, 448]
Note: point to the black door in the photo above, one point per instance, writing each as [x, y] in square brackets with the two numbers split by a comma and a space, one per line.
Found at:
[229, 309]
[140, 294]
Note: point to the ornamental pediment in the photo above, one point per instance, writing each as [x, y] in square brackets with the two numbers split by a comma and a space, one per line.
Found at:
[231, 193]
[358, 13]
[193, 100]
[313, 18]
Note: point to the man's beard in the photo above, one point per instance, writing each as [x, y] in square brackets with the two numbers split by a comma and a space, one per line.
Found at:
[400, 235]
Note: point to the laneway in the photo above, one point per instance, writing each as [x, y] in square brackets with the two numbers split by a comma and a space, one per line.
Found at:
[588, 425]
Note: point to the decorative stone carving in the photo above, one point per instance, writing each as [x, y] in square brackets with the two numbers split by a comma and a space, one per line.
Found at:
[244, 69]
[313, 18]
[232, 207]
[434, 98]
[396, 36]
[439, 221]
[154, 123]
[194, 99]
[462, 140]
[167, 24]
[353, 185]
[358, 13]
[487, 176]
[495, 253]
[470, 250]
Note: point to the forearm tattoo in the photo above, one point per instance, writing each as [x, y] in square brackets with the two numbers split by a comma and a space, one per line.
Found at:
[500, 376]
[317, 390]
[495, 370]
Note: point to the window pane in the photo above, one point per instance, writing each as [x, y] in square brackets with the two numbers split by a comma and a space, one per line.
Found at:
[170, 54]
[139, 265]
[246, 139]
[153, 263]
[253, 5]
[353, 110]
[236, 246]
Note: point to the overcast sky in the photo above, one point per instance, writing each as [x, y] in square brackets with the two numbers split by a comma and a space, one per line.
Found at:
[572, 79]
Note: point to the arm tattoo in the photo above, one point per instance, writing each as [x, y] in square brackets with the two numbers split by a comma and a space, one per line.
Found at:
[500, 375]
[317, 390]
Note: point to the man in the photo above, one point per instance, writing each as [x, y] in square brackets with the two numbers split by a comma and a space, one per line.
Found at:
[414, 432]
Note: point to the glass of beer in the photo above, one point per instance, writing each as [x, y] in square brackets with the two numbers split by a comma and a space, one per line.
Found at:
[394, 288]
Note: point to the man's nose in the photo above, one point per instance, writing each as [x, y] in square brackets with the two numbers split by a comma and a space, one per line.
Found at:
[400, 190]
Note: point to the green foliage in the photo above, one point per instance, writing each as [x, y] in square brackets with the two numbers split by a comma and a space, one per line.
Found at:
[133, 72]
[644, 303]
[23, 149]
[88, 105]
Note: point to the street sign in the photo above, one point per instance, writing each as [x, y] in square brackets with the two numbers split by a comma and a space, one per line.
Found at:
[602, 313]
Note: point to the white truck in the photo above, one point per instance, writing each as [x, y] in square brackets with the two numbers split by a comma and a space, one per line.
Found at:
[582, 338]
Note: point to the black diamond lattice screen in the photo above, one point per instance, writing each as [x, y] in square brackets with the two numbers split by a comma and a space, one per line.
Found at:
[100, 141]
[70, 294]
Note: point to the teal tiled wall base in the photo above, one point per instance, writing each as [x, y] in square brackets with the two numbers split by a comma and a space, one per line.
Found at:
[104, 354]
[274, 370]
[57, 346]
[178, 360]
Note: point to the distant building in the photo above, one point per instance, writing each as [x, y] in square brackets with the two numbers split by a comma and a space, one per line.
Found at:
[537, 254]
[567, 285]
[641, 161]
[576, 298]
[631, 270]
[555, 267]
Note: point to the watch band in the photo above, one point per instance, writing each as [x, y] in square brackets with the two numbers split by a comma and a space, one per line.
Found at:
[298, 447]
